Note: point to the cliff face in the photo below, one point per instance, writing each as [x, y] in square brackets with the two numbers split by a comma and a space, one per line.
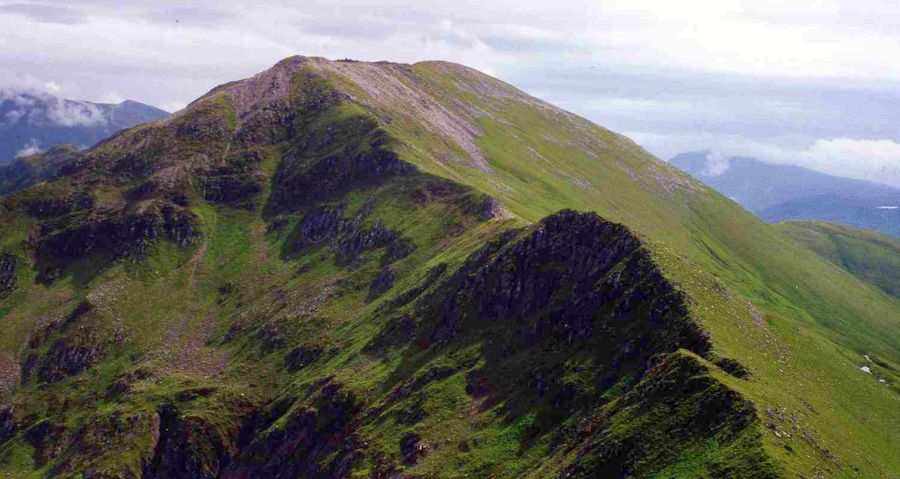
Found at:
[8, 265]
[342, 269]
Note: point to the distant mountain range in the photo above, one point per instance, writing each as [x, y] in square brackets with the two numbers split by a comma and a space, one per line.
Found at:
[781, 192]
[32, 122]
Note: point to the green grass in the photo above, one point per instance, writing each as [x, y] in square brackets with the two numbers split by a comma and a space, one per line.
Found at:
[780, 307]
[870, 256]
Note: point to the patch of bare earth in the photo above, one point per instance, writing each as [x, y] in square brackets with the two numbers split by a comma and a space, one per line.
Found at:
[392, 87]
[9, 375]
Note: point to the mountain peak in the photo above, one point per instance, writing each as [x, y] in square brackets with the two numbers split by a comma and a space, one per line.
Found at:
[369, 269]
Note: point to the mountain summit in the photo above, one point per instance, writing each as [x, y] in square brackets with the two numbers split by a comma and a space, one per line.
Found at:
[32, 122]
[350, 269]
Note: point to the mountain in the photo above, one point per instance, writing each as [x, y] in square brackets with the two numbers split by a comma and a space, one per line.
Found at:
[23, 172]
[781, 192]
[31, 122]
[350, 269]
[872, 257]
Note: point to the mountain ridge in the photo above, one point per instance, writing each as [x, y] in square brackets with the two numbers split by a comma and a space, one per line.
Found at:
[345, 279]
[35, 121]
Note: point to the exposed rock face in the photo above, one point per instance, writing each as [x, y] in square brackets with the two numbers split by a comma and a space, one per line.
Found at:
[330, 160]
[236, 183]
[348, 238]
[411, 448]
[188, 447]
[576, 291]
[573, 277]
[115, 236]
[7, 422]
[49, 207]
[301, 357]
[8, 264]
[66, 357]
[317, 440]
[76, 346]
[381, 284]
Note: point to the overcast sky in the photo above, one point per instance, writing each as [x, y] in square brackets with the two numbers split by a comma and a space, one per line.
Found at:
[815, 83]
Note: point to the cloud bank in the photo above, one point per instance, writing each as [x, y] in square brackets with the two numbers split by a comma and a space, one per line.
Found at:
[33, 147]
[40, 108]
[801, 84]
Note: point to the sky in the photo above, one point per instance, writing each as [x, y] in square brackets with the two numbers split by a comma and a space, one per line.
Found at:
[811, 83]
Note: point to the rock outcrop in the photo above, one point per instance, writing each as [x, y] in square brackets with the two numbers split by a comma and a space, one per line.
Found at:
[57, 245]
[315, 438]
[573, 277]
[8, 266]
[75, 345]
[348, 238]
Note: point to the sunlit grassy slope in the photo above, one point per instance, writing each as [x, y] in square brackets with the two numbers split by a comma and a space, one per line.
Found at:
[800, 324]
[870, 256]
[248, 319]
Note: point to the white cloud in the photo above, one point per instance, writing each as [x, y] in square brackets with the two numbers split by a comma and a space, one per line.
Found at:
[112, 97]
[876, 160]
[165, 54]
[716, 164]
[872, 160]
[72, 114]
[39, 108]
[53, 87]
[33, 147]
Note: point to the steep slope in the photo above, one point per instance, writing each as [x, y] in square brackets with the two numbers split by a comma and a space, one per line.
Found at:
[777, 193]
[869, 256]
[346, 269]
[35, 121]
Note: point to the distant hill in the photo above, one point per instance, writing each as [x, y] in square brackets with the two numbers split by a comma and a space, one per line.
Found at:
[781, 192]
[32, 122]
[872, 257]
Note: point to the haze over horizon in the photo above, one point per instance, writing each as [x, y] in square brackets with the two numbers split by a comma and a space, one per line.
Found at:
[760, 79]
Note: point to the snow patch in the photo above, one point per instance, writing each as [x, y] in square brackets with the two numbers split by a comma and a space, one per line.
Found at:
[866, 370]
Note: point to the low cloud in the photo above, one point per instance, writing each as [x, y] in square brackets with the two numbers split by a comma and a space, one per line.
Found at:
[878, 160]
[40, 108]
[864, 159]
[735, 78]
[33, 147]
[716, 164]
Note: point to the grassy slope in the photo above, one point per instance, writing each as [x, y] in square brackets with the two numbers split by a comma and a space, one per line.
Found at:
[818, 321]
[802, 337]
[870, 256]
